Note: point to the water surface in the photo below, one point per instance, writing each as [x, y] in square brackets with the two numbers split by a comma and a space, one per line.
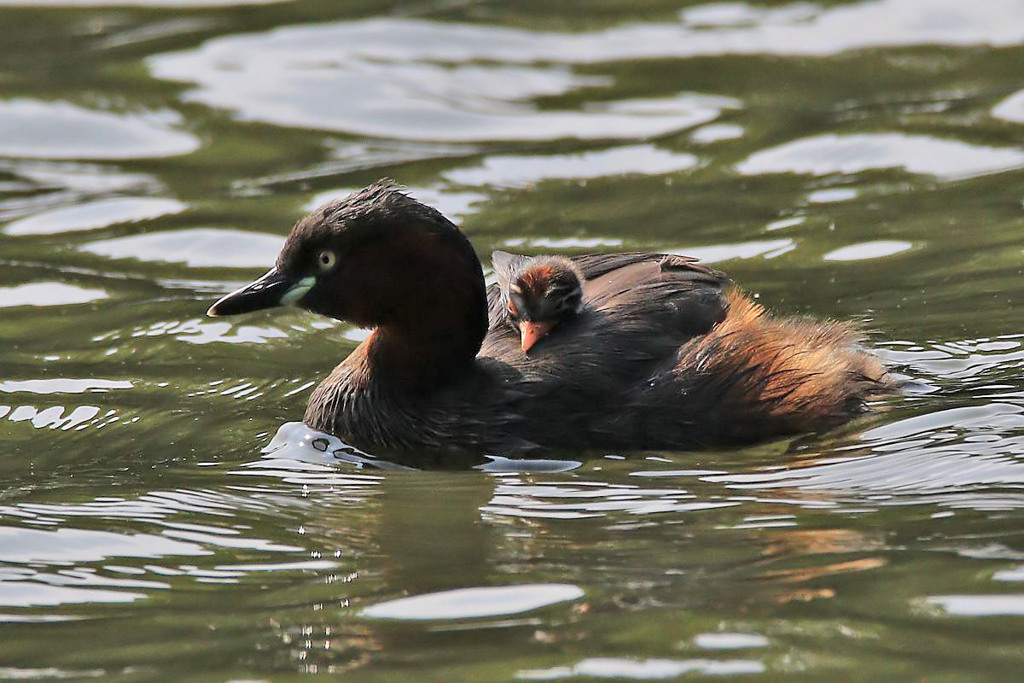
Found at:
[163, 516]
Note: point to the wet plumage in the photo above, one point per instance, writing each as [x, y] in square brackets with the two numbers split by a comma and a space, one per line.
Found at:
[660, 351]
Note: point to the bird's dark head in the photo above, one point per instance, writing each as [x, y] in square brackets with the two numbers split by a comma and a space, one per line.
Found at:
[375, 258]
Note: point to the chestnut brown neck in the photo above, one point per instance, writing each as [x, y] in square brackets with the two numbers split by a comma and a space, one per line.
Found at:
[436, 323]
[422, 357]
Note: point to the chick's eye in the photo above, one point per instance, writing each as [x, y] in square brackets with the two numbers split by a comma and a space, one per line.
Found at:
[326, 259]
[515, 305]
[569, 301]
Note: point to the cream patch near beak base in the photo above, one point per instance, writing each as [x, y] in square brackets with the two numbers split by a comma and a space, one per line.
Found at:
[299, 290]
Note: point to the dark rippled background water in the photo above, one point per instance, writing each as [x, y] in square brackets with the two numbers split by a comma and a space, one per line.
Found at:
[857, 160]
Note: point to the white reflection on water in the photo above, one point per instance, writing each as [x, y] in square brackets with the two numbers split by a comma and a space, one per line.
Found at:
[524, 170]
[868, 250]
[644, 669]
[980, 605]
[48, 294]
[53, 417]
[716, 132]
[61, 385]
[725, 14]
[579, 499]
[77, 179]
[1014, 575]
[25, 594]
[40, 186]
[855, 153]
[500, 465]
[452, 203]
[428, 80]
[16, 673]
[34, 129]
[741, 250]
[62, 546]
[948, 470]
[783, 223]
[93, 215]
[519, 171]
[1011, 109]
[199, 330]
[122, 563]
[474, 603]
[70, 180]
[417, 80]
[961, 360]
[729, 641]
[194, 247]
[563, 242]
[831, 195]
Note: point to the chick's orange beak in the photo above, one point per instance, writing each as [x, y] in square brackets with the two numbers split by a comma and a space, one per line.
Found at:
[533, 332]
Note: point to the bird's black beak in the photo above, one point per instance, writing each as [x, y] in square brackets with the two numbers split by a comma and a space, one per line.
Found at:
[273, 289]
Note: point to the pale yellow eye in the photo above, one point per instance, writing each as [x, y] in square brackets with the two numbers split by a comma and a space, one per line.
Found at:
[326, 259]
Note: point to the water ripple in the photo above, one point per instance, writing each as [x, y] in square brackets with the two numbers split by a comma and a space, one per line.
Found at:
[855, 153]
[417, 80]
[644, 669]
[60, 130]
[519, 171]
[48, 294]
[93, 215]
[474, 603]
[194, 247]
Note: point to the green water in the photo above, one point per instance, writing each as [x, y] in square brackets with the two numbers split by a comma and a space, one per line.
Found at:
[858, 160]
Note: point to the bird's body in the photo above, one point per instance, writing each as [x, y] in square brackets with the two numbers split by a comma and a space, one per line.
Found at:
[657, 353]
